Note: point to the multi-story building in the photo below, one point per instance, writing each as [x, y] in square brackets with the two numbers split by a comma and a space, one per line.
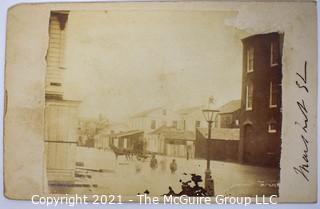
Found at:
[191, 118]
[153, 119]
[61, 132]
[260, 117]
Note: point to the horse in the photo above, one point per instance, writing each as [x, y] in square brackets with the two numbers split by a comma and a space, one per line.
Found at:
[118, 152]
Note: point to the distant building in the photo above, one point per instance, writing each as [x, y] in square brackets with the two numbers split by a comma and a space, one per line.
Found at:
[172, 142]
[129, 140]
[223, 144]
[155, 140]
[261, 117]
[229, 115]
[152, 119]
[88, 128]
[191, 118]
[102, 139]
[116, 128]
[102, 123]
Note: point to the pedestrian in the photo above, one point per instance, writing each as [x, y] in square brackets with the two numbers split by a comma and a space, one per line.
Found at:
[173, 166]
[154, 162]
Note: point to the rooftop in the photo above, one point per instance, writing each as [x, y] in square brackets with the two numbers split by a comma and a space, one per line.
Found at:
[145, 113]
[189, 110]
[172, 133]
[230, 107]
[126, 133]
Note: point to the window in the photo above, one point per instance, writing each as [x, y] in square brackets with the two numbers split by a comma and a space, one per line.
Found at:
[273, 95]
[197, 124]
[225, 120]
[249, 94]
[274, 54]
[153, 124]
[55, 84]
[272, 128]
[250, 57]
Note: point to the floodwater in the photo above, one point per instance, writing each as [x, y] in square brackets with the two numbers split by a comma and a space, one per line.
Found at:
[102, 173]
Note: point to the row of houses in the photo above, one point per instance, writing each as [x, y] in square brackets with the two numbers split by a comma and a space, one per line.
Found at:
[187, 119]
[171, 133]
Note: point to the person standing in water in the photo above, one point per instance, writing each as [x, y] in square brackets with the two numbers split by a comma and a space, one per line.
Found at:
[173, 166]
[154, 163]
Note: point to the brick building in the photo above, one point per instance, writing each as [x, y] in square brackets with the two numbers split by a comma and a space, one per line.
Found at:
[260, 117]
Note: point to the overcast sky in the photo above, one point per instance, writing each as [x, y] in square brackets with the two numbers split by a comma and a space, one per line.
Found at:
[122, 62]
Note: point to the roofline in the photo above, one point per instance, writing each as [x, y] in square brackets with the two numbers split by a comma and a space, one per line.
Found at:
[221, 113]
[184, 139]
[138, 114]
[126, 134]
[193, 109]
[260, 36]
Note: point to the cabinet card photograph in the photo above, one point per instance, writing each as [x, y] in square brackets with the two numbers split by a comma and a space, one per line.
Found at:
[161, 98]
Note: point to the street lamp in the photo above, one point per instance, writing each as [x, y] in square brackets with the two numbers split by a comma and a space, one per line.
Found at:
[209, 114]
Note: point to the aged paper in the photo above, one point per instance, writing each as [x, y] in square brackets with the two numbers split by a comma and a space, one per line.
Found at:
[109, 98]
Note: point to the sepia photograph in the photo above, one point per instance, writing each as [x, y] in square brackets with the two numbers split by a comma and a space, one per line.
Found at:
[161, 102]
[151, 102]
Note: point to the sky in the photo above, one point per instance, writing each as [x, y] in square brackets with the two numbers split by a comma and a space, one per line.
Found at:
[122, 62]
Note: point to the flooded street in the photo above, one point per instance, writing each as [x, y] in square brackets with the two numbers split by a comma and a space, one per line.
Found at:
[102, 173]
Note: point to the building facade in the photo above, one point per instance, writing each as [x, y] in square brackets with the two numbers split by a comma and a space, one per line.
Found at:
[191, 118]
[61, 116]
[153, 119]
[228, 115]
[172, 142]
[261, 117]
[129, 140]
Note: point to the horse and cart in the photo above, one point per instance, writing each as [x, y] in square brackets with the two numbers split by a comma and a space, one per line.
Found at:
[129, 153]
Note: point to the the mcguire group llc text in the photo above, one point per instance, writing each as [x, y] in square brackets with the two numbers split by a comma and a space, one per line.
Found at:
[144, 199]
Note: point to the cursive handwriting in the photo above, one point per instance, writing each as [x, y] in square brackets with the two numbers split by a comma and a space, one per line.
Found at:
[302, 83]
[304, 111]
[303, 78]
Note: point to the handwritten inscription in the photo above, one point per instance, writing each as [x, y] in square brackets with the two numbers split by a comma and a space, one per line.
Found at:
[303, 168]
